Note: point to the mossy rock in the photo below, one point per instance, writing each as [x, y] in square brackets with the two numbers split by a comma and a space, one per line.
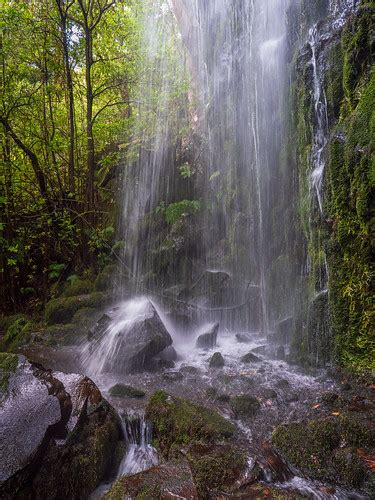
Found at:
[86, 315]
[8, 365]
[78, 287]
[177, 421]
[215, 467]
[62, 310]
[316, 448]
[121, 390]
[102, 282]
[245, 405]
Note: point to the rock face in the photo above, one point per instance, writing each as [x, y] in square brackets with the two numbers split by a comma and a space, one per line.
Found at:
[59, 437]
[130, 341]
[208, 339]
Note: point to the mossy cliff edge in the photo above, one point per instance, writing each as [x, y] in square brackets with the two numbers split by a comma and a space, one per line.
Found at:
[340, 329]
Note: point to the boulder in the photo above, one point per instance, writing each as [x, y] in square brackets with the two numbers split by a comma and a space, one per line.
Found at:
[170, 480]
[207, 340]
[217, 361]
[250, 358]
[331, 447]
[59, 437]
[168, 354]
[245, 405]
[243, 338]
[178, 421]
[121, 390]
[131, 341]
[212, 289]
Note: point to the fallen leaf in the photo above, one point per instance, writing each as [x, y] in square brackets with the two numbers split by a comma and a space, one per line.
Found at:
[370, 461]
[335, 413]
[316, 407]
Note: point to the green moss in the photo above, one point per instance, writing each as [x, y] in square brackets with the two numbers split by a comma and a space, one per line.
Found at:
[103, 282]
[245, 406]
[8, 365]
[62, 310]
[179, 421]
[215, 468]
[78, 287]
[316, 448]
[86, 315]
[121, 390]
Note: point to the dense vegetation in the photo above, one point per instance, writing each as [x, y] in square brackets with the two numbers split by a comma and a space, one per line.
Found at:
[68, 70]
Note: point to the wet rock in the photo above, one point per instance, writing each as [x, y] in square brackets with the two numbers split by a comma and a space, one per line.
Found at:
[170, 480]
[121, 390]
[211, 392]
[329, 398]
[212, 289]
[62, 310]
[223, 398]
[250, 358]
[262, 349]
[208, 339]
[178, 421]
[215, 466]
[191, 370]
[142, 339]
[217, 361]
[292, 398]
[43, 408]
[284, 329]
[269, 394]
[243, 338]
[173, 376]
[245, 405]
[315, 447]
[282, 383]
[168, 354]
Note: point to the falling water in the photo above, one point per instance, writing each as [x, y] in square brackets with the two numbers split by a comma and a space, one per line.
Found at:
[140, 455]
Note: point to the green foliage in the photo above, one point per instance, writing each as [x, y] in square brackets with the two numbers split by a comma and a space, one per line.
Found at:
[176, 211]
[186, 171]
[8, 365]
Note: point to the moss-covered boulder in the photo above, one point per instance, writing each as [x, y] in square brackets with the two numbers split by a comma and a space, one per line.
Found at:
[62, 310]
[245, 406]
[170, 480]
[78, 287]
[177, 421]
[205, 437]
[330, 449]
[121, 390]
[215, 466]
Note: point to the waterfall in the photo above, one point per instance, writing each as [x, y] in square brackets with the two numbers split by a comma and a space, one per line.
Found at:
[140, 455]
[228, 126]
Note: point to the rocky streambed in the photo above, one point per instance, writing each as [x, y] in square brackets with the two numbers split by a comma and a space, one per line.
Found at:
[219, 417]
